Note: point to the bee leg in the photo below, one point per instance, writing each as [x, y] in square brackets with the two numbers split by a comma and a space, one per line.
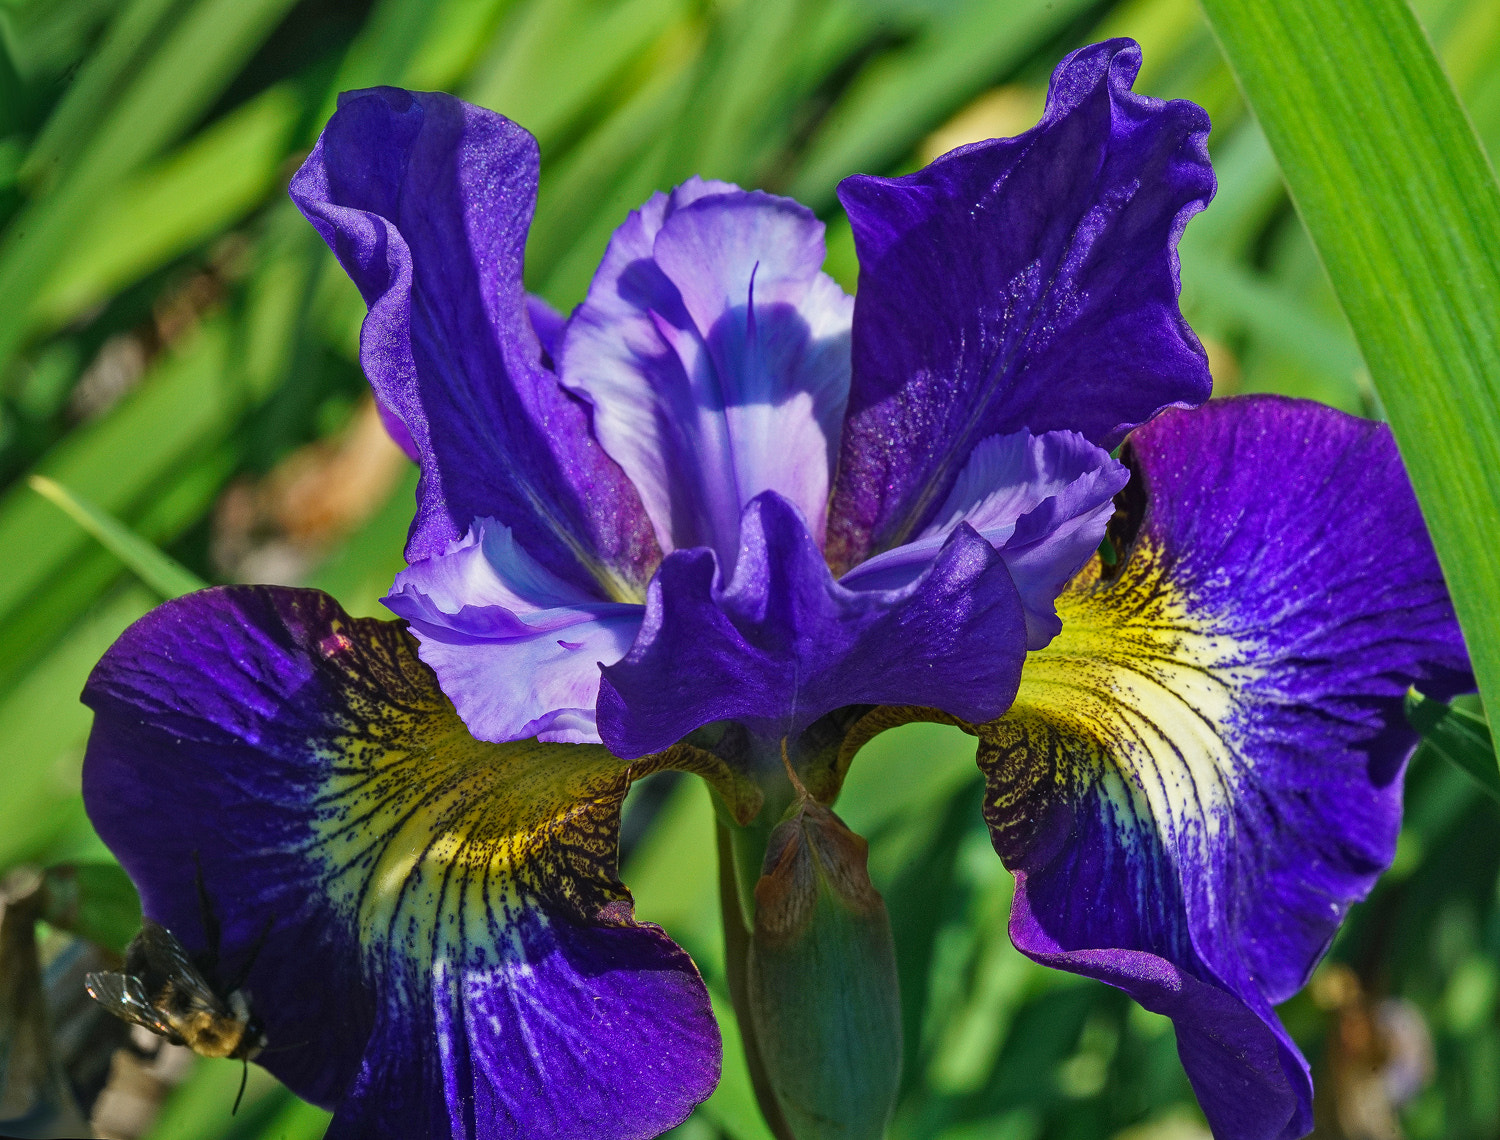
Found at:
[209, 918]
[244, 1076]
[255, 948]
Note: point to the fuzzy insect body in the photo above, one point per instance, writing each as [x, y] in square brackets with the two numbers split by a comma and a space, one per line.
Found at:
[163, 990]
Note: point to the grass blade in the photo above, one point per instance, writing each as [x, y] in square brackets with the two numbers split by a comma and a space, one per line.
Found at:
[157, 570]
[1403, 208]
[1460, 737]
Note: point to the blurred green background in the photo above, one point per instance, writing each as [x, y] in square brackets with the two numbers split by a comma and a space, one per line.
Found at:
[178, 348]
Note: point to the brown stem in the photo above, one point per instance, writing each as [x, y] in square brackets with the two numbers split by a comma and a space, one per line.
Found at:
[791, 774]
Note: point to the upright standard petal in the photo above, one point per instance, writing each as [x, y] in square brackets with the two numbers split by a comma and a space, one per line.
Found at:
[716, 354]
[517, 649]
[780, 643]
[1028, 282]
[1203, 771]
[426, 201]
[1043, 501]
[429, 928]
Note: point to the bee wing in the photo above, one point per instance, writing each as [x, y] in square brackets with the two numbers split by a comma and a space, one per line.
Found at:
[124, 997]
[165, 957]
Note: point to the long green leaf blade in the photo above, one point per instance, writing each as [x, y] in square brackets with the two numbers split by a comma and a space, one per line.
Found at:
[1459, 737]
[163, 574]
[1401, 203]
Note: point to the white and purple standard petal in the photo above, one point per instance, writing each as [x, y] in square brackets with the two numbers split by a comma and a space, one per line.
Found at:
[781, 643]
[715, 353]
[517, 649]
[1202, 772]
[1018, 283]
[426, 202]
[435, 940]
[1043, 501]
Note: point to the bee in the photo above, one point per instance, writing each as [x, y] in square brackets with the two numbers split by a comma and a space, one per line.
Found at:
[164, 991]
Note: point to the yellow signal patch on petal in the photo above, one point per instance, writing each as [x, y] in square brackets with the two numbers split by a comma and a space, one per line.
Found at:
[1202, 772]
[429, 836]
[430, 930]
[1138, 697]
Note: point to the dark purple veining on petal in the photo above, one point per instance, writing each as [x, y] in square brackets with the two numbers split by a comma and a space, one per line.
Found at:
[1203, 772]
[426, 201]
[1028, 282]
[782, 643]
[436, 941]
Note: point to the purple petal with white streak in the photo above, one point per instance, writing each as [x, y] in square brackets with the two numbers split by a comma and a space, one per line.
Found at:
[436, 941]
[1042, 501]
[781, 643]
[516, 649]
[716, 354]
[1202, 773]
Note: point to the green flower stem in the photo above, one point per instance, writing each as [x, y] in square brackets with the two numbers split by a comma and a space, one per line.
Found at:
[736, 961]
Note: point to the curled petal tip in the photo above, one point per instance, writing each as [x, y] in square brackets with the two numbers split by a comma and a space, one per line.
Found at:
[1019, 283]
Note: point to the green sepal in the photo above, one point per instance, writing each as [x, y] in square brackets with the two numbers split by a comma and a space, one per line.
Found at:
[821, 980]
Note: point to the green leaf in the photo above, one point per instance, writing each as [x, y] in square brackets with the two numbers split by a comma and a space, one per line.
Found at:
[1403, 208]
[43, 727]
[77, 583]
[1458, 736]
[96, 901]
[188, 399]
[560, 55]
[193, 57]
[165, 210]
[164, 575]
[100, 82]
[904, 94]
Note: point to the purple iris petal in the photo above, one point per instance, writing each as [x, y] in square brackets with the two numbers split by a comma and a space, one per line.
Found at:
[1042, 501]
[781, 643]
[426, 201]
[470, 1084]
[1028, 282]
[435, 939]
[397, 431]
[1250, 1079]
[1203, 771]
[516, 648]
[548, 325]
[546, 322]
[716, 354]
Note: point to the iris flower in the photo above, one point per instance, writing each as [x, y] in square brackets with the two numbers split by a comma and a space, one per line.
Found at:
[724, 508]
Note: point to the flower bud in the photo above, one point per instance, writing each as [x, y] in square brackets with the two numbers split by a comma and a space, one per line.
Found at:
[823, 992]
